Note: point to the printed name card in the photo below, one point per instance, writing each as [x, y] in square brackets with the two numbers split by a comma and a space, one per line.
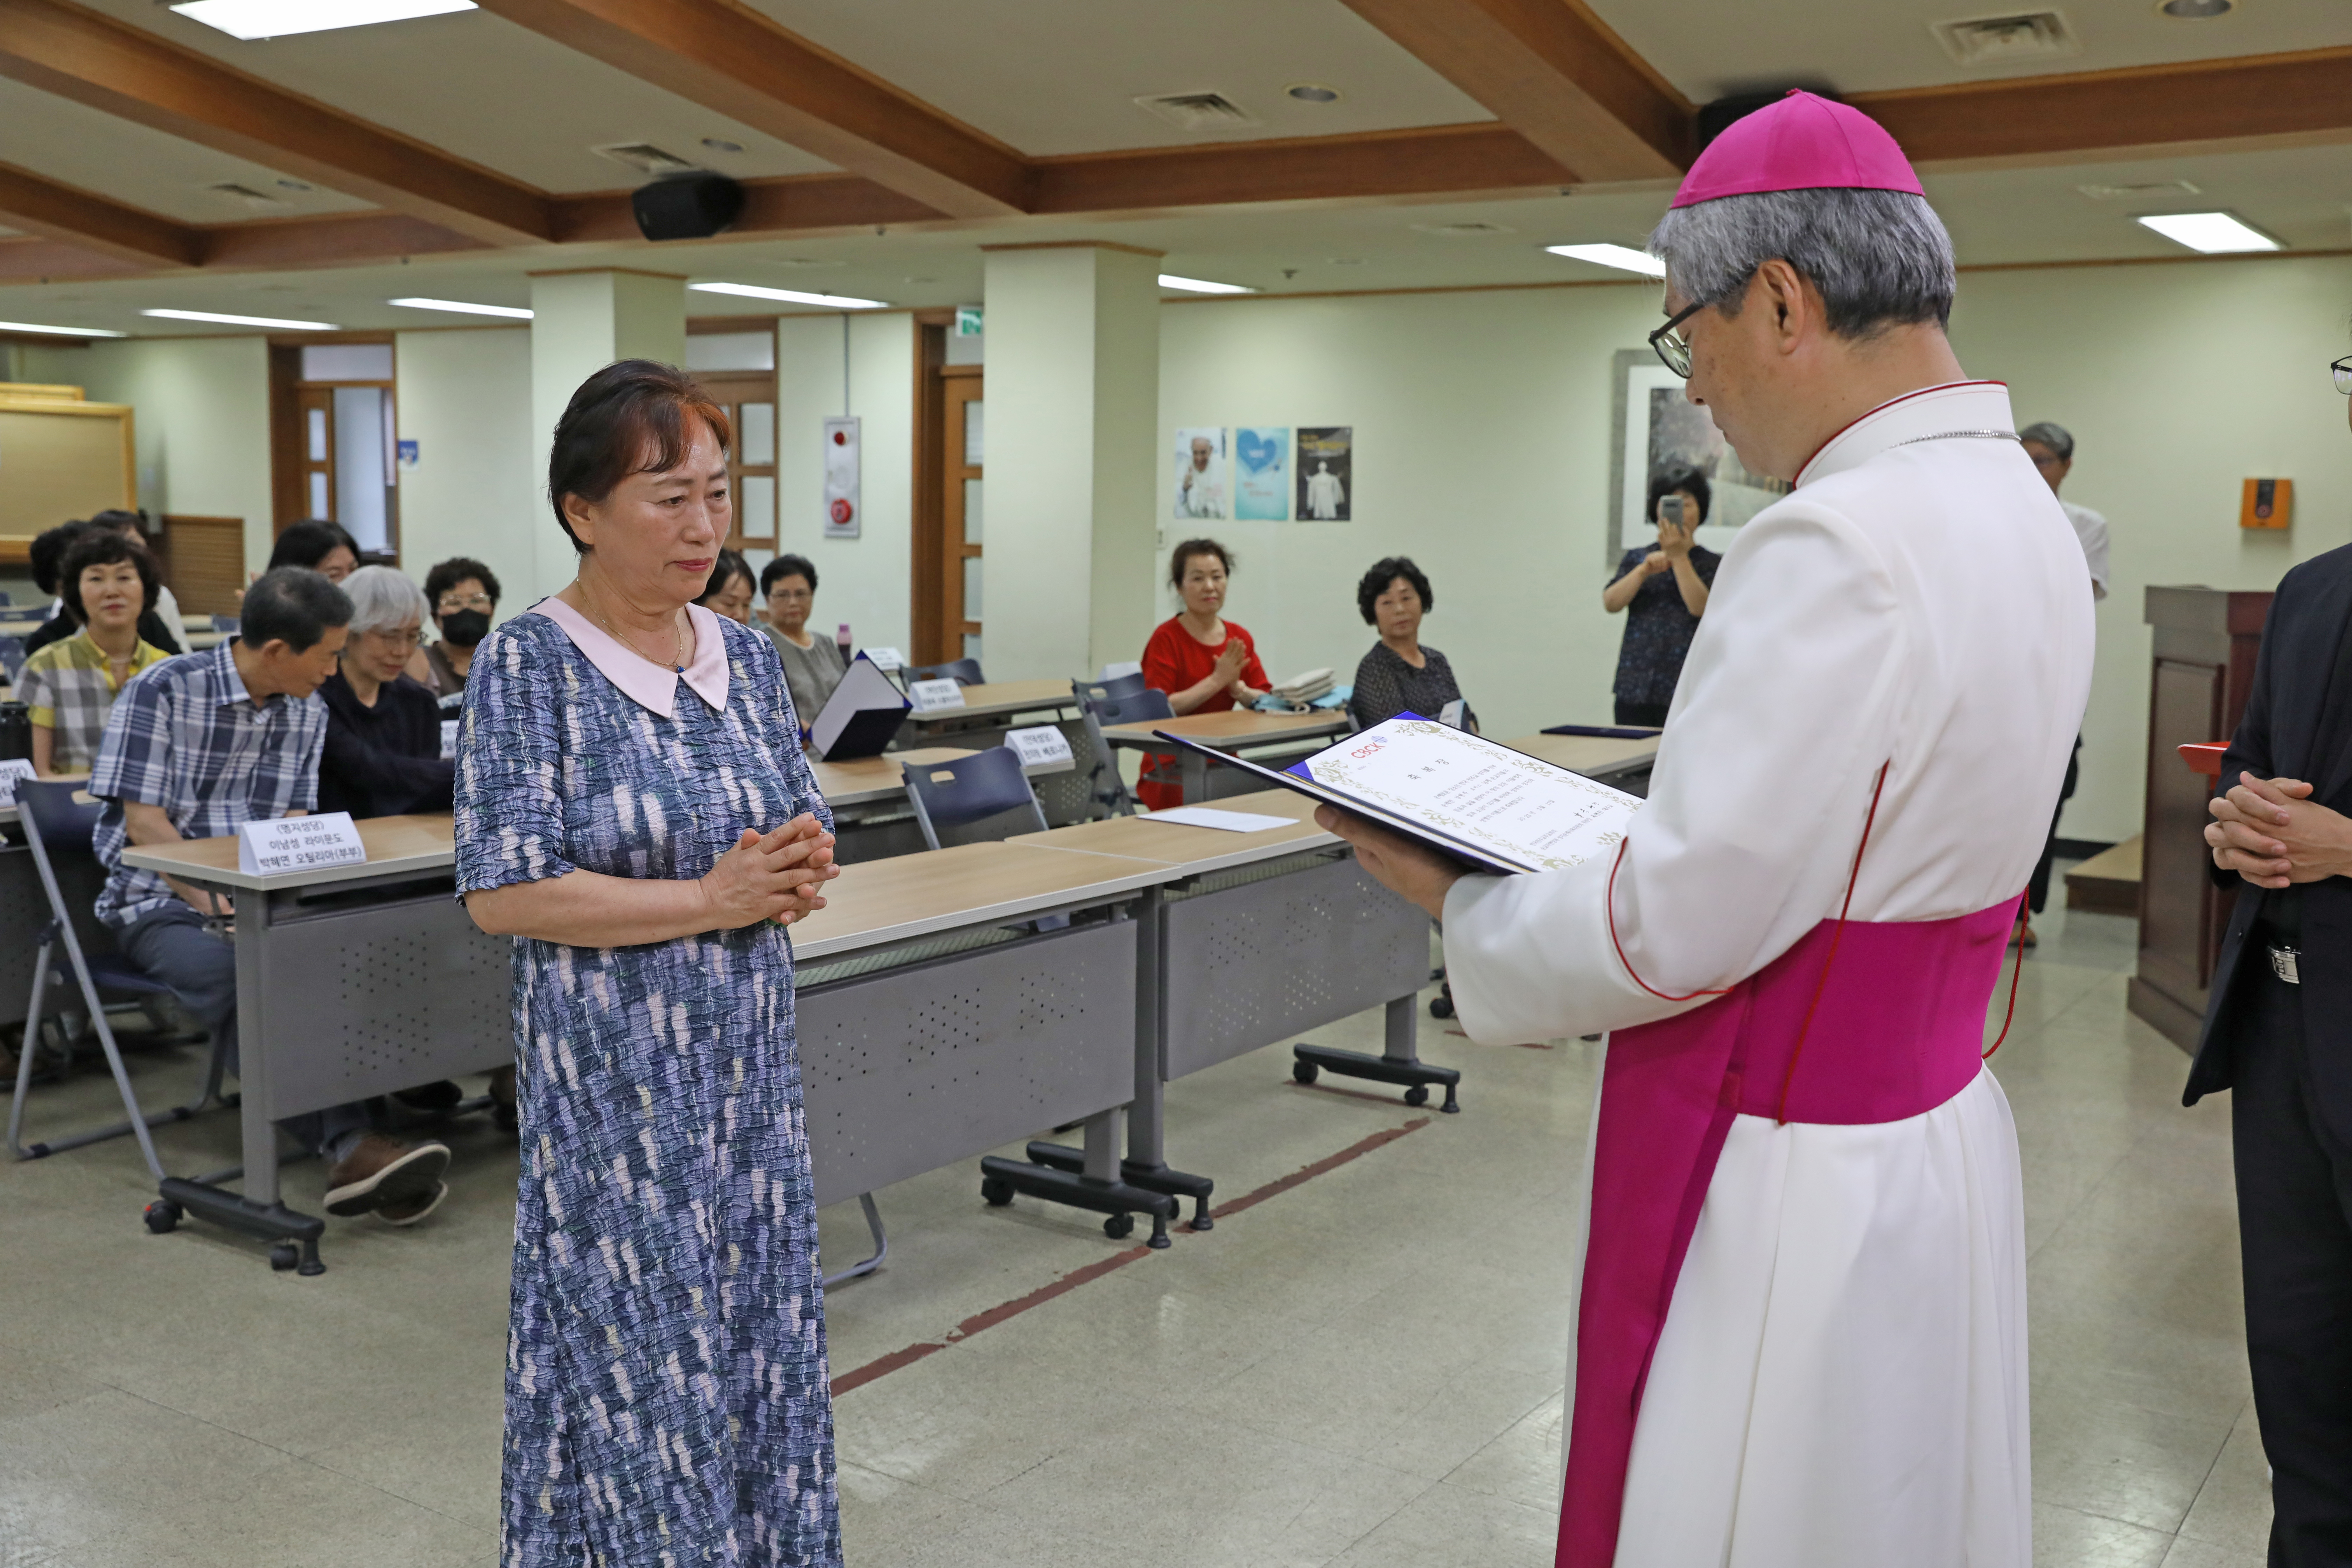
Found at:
[298, 844]
[1040, 746]
[14, 772]
[885, 659]
[449, 740]
[930, 696]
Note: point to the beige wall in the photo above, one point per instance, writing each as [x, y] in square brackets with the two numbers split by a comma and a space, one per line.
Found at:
[464, 400]
[201, 410]
[863, 581]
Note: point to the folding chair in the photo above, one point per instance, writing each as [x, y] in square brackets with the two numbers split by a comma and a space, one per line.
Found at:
[1125, 700]
[962, 671]
[226, 623]
[58, 831]
[978, 799]
[12, 657]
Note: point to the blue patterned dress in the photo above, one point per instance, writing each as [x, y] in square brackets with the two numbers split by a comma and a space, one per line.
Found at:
[667, 1393]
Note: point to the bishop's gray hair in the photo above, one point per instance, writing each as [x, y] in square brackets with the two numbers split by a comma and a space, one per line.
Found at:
[1880, 258]
[384, 600]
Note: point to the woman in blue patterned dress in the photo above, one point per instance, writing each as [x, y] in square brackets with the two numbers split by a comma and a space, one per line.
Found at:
[633, 805]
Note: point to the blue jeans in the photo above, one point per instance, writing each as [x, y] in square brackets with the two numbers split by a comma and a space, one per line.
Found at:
[173, 946]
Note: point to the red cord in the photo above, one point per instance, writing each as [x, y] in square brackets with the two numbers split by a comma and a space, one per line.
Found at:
[1781, 1115]
[1609, 904]
[2017, 972]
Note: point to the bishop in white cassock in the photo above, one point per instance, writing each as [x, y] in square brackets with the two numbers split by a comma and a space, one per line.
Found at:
[1800, 1337]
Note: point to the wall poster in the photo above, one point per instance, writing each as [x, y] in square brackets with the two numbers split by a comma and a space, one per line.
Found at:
[1326, 473]
[1262, 473]
[1200, 489]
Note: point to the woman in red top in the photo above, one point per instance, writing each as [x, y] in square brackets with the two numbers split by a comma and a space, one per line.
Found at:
[1206, 664]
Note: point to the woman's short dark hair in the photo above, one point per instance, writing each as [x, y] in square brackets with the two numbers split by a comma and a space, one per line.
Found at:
[292, 605]
[630, 417]
[1671, 482]
[1189, 549]
[447, 574]
[784, 566]
[723, 570]
[1385, 572]
[49, 552]
[308, 542]
[103, 547]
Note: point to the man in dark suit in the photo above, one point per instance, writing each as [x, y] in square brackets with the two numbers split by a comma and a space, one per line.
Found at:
[2278, 1035]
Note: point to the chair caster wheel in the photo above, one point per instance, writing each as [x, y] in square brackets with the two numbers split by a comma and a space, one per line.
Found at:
[164, 1217]
[1119, 1226]
[1417, 1095]
[284, 1256]
[1441, 1007]
[1305, 1072]
[997, 1191]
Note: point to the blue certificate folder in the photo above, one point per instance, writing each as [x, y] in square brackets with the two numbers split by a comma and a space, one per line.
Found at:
[1297, 778]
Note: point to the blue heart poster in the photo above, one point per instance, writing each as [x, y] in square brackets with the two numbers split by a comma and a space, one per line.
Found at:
[1262, 470]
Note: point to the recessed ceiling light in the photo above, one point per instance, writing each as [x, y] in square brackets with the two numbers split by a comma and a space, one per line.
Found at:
[464, 307]
[791, 296]
[2195, 10]
[720, 144]
[59, 331]
[252, 19]
[1313, 92]
[2212, 233]
[1618, 256]
[1201, 286]
[2143, 188]
[242, 320]
[1472, 230]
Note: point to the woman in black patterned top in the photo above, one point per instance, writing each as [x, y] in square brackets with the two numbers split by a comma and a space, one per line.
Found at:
[1399, 676]
[1666, 591]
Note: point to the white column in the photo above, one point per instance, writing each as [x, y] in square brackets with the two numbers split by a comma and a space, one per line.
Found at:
[583, 321]
[1073, 400]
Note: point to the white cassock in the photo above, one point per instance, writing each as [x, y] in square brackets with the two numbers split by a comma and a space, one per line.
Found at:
[1824, 1366]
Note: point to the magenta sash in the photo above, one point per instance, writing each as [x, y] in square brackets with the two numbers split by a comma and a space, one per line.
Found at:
[1897, 1029]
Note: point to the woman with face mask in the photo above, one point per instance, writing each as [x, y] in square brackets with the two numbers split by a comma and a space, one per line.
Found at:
[464, 594]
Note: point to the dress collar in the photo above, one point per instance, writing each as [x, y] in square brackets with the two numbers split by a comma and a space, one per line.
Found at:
[643, 682]
[1958, 406]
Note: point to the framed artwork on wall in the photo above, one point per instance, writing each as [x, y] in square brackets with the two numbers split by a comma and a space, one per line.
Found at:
[1655, 430]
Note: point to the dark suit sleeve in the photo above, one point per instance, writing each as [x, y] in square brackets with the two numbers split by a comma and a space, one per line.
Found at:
[2249, 748]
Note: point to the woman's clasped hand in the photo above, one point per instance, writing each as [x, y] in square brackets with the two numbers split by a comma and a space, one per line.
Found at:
[778, 876]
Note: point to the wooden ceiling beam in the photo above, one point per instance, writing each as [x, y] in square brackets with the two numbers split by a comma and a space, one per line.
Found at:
[130, 73]
[2198, 105]
[43, 207]
[1555, 73]
[1448, 160]
[731, 59]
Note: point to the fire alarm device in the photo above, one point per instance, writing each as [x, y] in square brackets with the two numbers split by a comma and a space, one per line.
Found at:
[2266, 503]
[841, 519]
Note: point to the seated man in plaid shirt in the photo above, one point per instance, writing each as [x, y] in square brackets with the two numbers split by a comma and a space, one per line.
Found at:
[196, 748]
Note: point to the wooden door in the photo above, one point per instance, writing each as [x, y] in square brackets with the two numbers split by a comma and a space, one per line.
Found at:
[963, 429]
[315, 449]
[750, 399]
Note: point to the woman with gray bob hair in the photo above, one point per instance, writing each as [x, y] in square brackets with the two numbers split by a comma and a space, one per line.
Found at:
[384, 752]
[384, 600]
[1879, 258]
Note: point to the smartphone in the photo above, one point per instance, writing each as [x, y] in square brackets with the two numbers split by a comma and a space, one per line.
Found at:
[1670, 510]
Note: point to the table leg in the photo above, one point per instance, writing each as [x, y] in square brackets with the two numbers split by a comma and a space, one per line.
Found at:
[1196, 778]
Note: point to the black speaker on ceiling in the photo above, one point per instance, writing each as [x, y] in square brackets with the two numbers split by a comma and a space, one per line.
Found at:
[692, 206]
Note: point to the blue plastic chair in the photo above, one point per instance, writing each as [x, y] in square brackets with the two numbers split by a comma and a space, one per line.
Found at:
[226, 622]
[977, 799]
[58, 830]
[1125, 700]
[962, 671]
[12, 657]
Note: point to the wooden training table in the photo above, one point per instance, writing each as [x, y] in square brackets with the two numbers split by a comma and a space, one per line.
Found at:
[1236, 731]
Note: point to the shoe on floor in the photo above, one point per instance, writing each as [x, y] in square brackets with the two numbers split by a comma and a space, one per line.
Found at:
[408, 1211]
[380, 1170]
[430, 1095]
[502, 1100]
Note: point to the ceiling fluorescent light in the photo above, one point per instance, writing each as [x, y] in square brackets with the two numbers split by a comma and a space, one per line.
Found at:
[2212, 233]
[1620, 257]
[251, 19]
[242, 320]
[59, 332]
[1201, 286]
[791, 296]
[463, 308]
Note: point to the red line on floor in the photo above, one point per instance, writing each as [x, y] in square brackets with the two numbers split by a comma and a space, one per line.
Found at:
[882, 1366]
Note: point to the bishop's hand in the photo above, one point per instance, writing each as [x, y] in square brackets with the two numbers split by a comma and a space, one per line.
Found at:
[1419, 876]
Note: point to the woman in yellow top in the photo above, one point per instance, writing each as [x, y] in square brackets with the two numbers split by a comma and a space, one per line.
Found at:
[107, 580]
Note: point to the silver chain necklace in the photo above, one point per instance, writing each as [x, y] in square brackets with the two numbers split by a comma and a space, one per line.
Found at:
[1964, 436]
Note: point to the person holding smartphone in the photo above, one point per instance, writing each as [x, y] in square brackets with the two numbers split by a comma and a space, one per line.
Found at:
[1665, 592]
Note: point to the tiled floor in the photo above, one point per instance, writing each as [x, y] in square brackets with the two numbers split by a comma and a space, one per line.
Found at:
[1362, 1369]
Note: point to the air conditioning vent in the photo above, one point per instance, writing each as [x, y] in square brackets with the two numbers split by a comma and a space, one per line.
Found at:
[2145, 188]
[1463, 230]
[245, 195]
[2006, 40]
[1197, 110]
[646, 158]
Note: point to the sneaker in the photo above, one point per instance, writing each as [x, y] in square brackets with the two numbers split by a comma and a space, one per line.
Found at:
[408, 1211]
[502, 1099]
[380, 1170]
[439, 1096]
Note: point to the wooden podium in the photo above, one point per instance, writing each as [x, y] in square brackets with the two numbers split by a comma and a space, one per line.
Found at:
[2203, 668]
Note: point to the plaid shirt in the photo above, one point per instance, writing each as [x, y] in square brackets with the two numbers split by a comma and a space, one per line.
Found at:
[186, 736]
[70, 690]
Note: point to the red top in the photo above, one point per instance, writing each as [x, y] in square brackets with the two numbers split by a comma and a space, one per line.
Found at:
[1173, 660]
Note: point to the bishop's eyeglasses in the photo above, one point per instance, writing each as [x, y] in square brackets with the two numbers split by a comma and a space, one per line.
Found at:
[2342, 369]
[1674, 348]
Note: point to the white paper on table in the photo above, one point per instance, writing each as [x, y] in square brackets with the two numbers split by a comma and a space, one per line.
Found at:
[1223, 821]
